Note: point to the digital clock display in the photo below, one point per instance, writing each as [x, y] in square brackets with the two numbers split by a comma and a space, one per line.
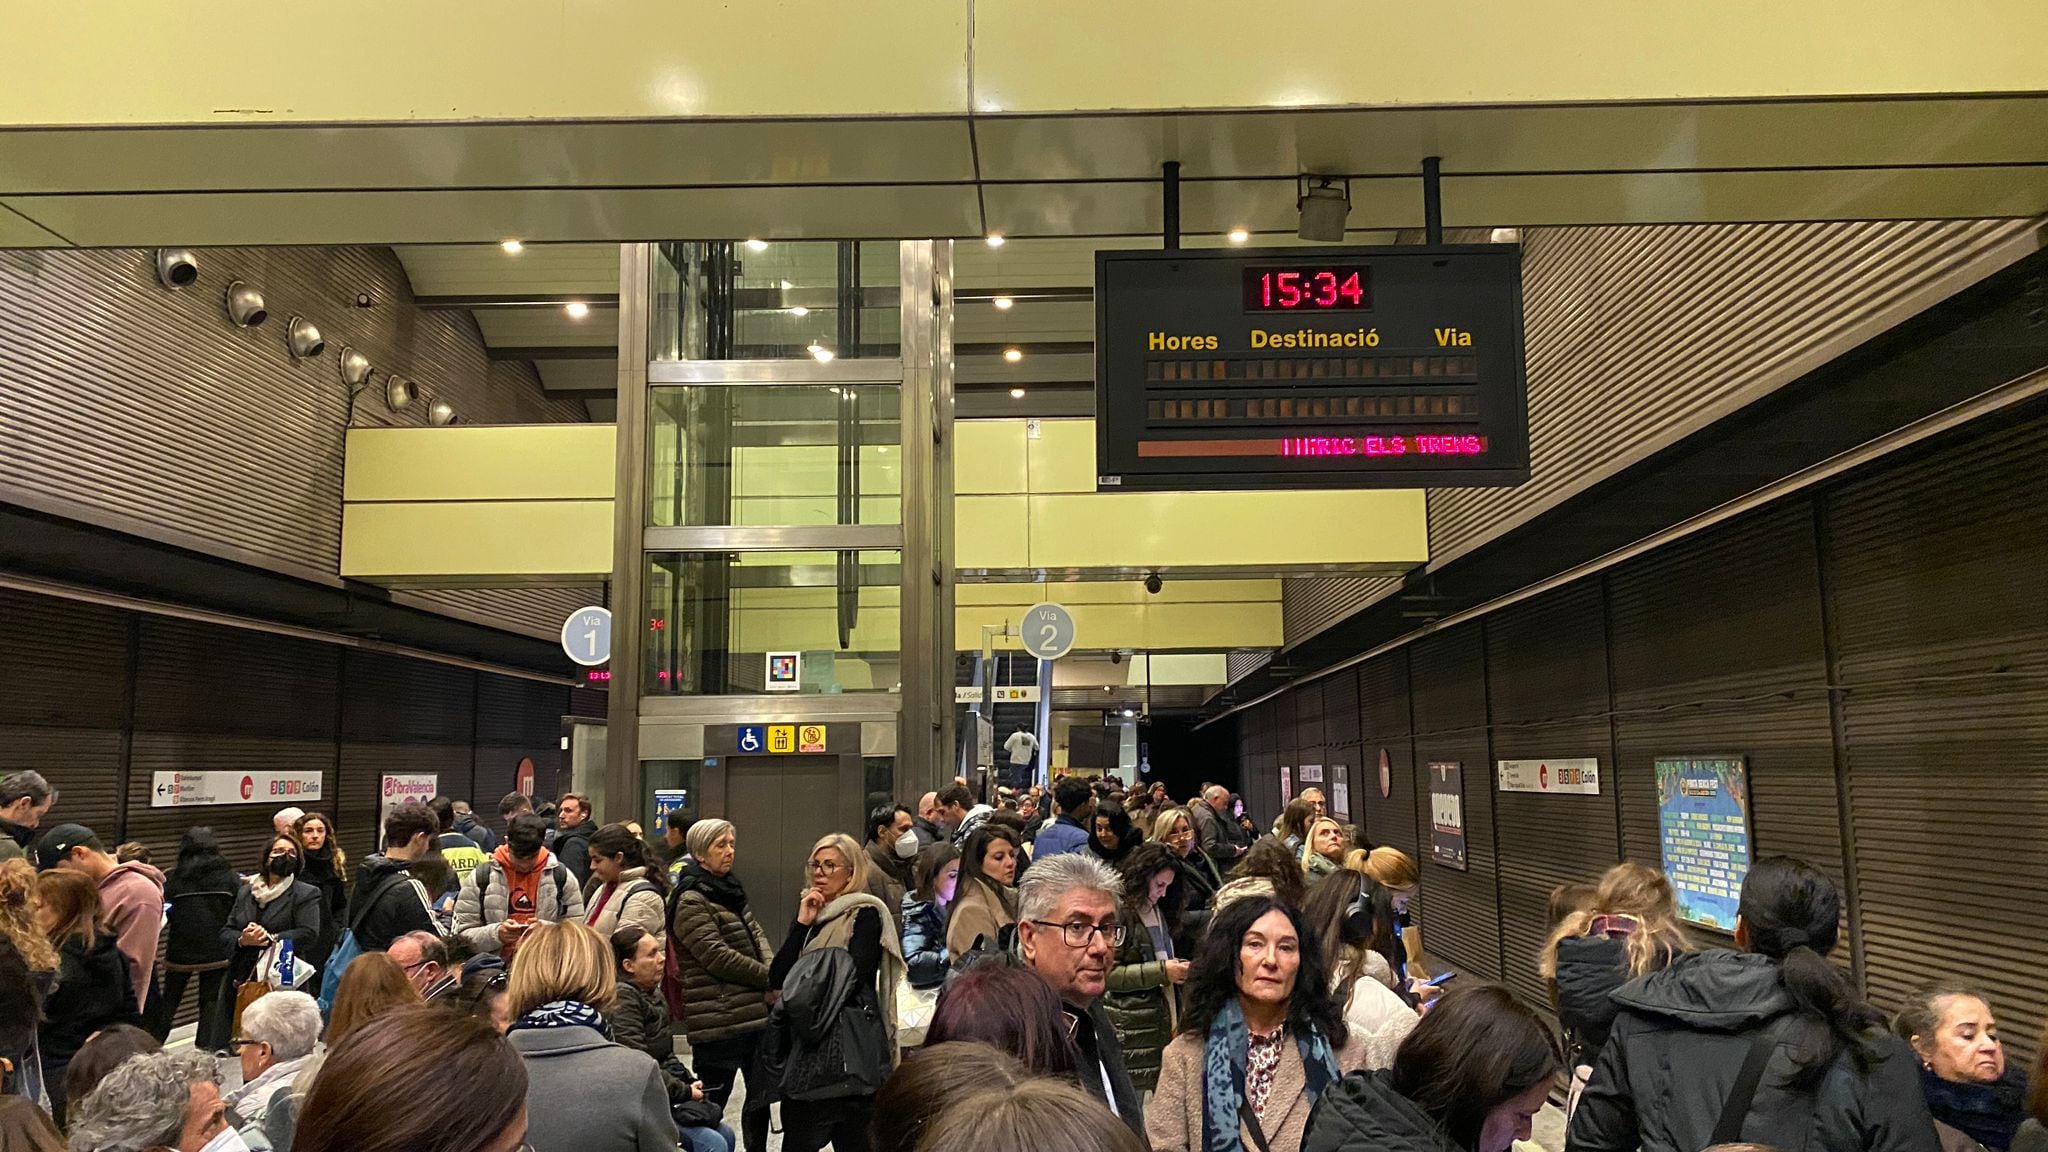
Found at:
[1308, 288]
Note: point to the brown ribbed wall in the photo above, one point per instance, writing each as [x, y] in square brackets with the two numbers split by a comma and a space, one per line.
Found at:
[63, 683]
[142, 409]
[1635, 334]
[1385, 722]
[1460, 910]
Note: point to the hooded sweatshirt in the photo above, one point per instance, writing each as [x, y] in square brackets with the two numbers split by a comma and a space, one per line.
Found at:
[133, 898]
[1679, 1040]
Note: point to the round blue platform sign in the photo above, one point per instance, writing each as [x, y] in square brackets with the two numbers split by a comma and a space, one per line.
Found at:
[1048, 631]
[587, 636]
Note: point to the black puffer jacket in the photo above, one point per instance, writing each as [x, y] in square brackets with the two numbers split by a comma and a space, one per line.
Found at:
[1680, 1040]
[1363, 1113]
[1590, 969]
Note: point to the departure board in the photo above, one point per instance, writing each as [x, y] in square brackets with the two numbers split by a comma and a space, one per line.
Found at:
[1311, 367]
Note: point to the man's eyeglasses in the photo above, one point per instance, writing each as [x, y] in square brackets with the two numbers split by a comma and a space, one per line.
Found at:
[1079, 934]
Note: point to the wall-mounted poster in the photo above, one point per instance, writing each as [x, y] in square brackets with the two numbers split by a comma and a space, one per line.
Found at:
[1703, 814]
[1581, 777]
[1447, 814]
[1311, 774]
[1286, 784]
[1340, 791]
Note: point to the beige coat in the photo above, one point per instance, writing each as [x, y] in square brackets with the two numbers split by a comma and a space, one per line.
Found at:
[977, 912]
[1173, 1121]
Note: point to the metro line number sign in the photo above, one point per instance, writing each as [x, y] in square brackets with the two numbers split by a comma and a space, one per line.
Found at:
[1322, 367]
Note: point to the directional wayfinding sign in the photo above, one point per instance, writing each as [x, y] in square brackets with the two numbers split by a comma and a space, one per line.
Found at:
[1048, 631]
[587, 636]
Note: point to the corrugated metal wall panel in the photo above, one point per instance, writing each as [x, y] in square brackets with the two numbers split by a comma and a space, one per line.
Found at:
[1636, 332]
[401, 717]
[63, 676]
[594, 703]
[220, 699]
[516, 720]
[1942, 641]
[1310, 604]
[1384, 726]
[1340, 744]
[1717, 648]
[143, 409]
[1460, 910]
[1264, 807]
[1546, 676]
[1242, 662]
[1308, 730]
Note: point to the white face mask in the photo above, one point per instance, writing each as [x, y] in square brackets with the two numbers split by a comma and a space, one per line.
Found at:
[229, 1140]
[906, 846]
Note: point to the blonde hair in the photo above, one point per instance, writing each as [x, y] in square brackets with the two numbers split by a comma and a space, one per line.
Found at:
[1631, 892]
[1392, 867]
[18, 919]
[856, 859]
[1308, 839]
[565, 960]
[1163, 826]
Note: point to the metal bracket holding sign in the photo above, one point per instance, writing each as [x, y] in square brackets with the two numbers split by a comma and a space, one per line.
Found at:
[587, 636]
[1048, 631]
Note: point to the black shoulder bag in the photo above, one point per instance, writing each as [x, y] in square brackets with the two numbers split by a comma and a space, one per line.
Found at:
[1728, 1129]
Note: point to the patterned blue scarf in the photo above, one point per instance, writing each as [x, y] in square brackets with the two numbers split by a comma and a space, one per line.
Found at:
[1223, 1075]
[563, 1014]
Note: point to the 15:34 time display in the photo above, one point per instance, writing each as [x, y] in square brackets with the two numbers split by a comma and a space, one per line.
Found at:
[1308, 288]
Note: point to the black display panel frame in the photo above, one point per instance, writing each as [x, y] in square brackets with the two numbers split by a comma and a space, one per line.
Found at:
[1194, 391]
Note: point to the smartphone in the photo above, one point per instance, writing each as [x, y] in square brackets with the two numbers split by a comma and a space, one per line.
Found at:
[1439, 980]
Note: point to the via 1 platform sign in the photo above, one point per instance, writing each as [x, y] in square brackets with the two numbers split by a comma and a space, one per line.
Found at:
[1314, 367]
[587, 636]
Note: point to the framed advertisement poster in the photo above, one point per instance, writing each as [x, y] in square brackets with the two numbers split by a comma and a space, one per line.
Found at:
[1447, 814]
[1703, 829]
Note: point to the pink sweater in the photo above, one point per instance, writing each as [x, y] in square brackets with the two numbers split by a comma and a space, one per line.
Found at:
[132, 898]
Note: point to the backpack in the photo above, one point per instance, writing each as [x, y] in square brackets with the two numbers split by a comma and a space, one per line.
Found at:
[347, 948]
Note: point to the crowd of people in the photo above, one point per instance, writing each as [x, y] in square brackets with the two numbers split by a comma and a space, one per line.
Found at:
[1071, 970]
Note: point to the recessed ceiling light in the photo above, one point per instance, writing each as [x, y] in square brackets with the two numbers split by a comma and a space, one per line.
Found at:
[1016, 393]
[1002, 303]
[995, 239]
[576, 309]
[799, 310]
[754, 245]
[1013, 354]
[513, 246]
[1239, 235]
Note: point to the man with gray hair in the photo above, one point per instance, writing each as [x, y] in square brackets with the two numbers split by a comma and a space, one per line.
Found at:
[280, 1030]
[1068, 931]
[25, 798]
[156, 1100]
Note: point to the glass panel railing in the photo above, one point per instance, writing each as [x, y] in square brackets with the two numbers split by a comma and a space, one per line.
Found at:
[715, 619]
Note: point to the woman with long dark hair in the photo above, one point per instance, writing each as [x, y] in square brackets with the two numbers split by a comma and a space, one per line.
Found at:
[1261, 1039]
[326, 869]
[1010, 1009]
[1111, 836]
[94, 988]
[1835, 1081]
[201, 894]
[1470, 1078]
[419, 1079]
[623, 888]
[1354, 918]
[934, 884]
[987, 899]
[1143, 996]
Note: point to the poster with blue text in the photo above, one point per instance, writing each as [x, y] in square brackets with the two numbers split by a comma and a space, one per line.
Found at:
[1703, 813]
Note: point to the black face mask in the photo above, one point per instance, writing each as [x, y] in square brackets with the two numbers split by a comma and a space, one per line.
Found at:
[286, 865]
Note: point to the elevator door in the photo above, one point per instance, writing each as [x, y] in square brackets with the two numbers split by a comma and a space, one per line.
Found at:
[780, 806]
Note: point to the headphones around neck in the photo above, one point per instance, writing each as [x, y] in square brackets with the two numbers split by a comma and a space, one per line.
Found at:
[1358, 917]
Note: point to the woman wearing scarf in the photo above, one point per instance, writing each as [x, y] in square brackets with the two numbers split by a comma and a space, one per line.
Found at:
[582, 1090]
[720, 958]
[326, 869]
[837, 911]
[985, 901]
[1976, 1098]
[1260, 1041]
[273, 905]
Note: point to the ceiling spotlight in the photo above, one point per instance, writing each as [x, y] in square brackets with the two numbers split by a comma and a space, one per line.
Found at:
[1239, 235]
[754, 245]
[176, 267]
[355, 367]
[799, 310]
[995, 239]
[1013, 354]
[1324, 204]
[1002, 303]
[440, 414]
[304, 339]
[398, 392]
[576, 309]
[1016, 393]
[1130, 712]
[245, 305]
[513, 247]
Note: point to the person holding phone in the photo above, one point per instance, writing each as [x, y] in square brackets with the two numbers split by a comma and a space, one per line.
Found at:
[520, 887]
